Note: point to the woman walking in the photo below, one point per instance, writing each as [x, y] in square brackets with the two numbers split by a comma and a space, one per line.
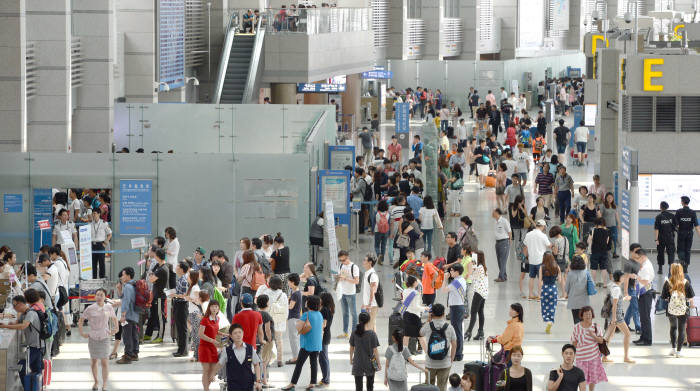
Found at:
[560, 250]
[381, 229]
[576, 287]
[480, 284]
[429, 221]
[617, 316]
[327, 311]
[548, 276]
[208, 354]
[103, 324]
[677, 290]
[279, 310]
[364, 356]
[396, 357]
[570, 232]
[456, 183]
[518, 215]
[608, 211]
[412, 309]
[586, 337]
[310, 328]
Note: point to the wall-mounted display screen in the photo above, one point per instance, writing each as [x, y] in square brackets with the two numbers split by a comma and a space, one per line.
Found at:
[530, 23]
[654, 188]
[589, 114]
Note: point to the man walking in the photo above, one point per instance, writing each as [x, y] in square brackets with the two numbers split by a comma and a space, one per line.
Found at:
[536, 243]
[130, 317]
[348, 279]
[664, 233]
[503, 236]
[686, 221]
[439, 342]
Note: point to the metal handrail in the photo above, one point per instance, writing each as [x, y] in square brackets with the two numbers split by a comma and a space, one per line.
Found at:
[223, 65]
[311, 133]
[254, 61]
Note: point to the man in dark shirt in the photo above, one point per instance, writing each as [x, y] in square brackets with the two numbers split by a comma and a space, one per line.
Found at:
[541, 124]
[686, 221]
[473, 101]
[562, 134]
[157, 317]
[453, 250]
[567, 377]
[366, 139]
[664, 232]
[495, 120]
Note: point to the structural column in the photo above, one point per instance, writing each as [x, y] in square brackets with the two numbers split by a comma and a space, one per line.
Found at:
[13, 85]
[606, 123]
[283, 93]
[351, 101]
[49, 112]
[93, 118]
[136, 20]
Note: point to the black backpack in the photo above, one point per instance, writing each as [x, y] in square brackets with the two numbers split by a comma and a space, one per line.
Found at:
[438, 346]
[379, 294]
[44, 328]
[367, 195]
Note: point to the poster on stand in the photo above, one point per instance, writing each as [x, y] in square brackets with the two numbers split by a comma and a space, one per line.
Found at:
[329, 225]
[85, 239]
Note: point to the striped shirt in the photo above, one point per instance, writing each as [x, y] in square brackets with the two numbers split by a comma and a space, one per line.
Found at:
[586, 346]
[544, 183]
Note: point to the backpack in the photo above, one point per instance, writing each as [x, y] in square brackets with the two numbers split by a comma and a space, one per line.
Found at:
[45, 327]
[677, 305]
[383, 223]
[257, 280]
[379, 294]
[143, 295]
[367, 195]
[440, 279]
[606, 311]
[358, 287]
[539, 143]
[397, 366]
[279, 311]
[437, 342]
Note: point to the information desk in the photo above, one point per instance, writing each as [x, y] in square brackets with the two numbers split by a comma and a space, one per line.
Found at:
[10, 354]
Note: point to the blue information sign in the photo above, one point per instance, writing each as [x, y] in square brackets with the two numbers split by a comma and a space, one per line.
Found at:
[43, 210]
[171, 43]
[402, 118]
[12, 203]
[320, 87]
[377, 74]
[135, 206]
[625, 209]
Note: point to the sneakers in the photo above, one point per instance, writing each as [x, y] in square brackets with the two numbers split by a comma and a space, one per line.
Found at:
[157, 340]
[124, 360]
[679, 354]
[146, 337]
[342, 336]
[548, 330]
[134, 358]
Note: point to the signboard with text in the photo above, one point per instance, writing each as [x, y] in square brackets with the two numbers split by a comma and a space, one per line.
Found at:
[85, 239]
[42, 210]
[171, 43]
[329, 225]
[320, 87]
[12, 203]
[402, 117]
[378, 74]
[135, 206]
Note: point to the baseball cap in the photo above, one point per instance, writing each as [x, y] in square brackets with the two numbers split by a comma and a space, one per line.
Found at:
[247, 299]
[541, 223]
[201, 250]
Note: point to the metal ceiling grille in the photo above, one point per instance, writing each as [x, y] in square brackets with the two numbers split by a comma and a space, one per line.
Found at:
[641, 114]
[196, 32]
[451, 30]
[665, 113]
[690, 114]
[622, 7]
[76, 63]
[550, 31]
[626, 102]
[31, 72]
[380, 22]
[485, 20]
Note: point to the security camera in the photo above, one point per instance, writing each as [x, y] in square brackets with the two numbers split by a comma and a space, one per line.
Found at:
[628, 17]
[595, 15]
[585, 22]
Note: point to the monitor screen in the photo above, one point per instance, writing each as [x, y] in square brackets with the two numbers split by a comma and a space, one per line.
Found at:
[589, 114]
[654, 188]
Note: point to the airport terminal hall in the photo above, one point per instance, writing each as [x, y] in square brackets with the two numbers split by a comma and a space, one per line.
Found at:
[349, 195]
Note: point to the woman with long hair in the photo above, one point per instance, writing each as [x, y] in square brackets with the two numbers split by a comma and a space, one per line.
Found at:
[243, 246]
[279, 259]
[456, 183]
[363, 352]
[194, 306]
[246, 273]
[560, 250]
[208, 281]
[103, 324]
[396, 379]
[208, 354]
[267, 245]
[576, 287]
[480, 285]
[548, 276]
[327, 311]
[412, 308]
[677, 291]
[312, 284]
[586, 337]
[518, 215]
[429, 221]
[617, 315]
[608, 211]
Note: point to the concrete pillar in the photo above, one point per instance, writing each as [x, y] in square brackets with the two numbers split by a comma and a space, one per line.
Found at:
[507, 10]
[136, 20]
[574, 39]
[283, 93]
[13, 84]
[351, 101]
[49, 112]
[315, 99]
[606, 121]
[93, 118]
[470, 22]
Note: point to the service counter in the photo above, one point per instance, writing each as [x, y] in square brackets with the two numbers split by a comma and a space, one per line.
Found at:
[10, 355]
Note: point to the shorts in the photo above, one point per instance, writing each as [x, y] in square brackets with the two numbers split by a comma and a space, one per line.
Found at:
[561, 148]
[500, 190]
[522, 175]
[581, 147]
[599, 261]
[482, 169]
[563, 265]
[535, 270]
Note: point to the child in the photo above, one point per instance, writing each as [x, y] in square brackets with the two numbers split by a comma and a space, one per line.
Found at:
[267, 338]
[538, 147]
[581, 251]
[455, 382]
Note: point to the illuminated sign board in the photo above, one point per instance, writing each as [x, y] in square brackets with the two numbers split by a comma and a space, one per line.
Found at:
[320, 87]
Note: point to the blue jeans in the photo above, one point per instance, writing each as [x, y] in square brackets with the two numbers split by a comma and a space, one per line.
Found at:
[428, 239]
[390, 251]
[325, 365]
[349, 308]
[632, 312]
[443, 125]
[457, 320]
[380, 243]
[506, 120]
[613, 237]
[564, 198]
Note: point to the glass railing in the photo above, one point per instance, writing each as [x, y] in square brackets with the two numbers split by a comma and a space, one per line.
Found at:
[317, 20]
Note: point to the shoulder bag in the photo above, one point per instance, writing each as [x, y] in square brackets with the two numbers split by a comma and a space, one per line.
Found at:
[306, 327]
[603, 346]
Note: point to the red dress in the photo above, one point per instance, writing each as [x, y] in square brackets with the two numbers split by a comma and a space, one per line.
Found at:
[207, 350]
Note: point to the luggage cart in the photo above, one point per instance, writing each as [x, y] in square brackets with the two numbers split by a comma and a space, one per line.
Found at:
[88, 288]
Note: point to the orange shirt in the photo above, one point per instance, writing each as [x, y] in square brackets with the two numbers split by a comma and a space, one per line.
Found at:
[512, 335]
[429, 272]
[534, 144]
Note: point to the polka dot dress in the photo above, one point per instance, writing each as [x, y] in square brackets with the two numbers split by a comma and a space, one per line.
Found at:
[548, 301]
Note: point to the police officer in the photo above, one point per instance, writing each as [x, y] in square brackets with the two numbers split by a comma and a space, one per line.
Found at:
[686, 220]
[664, 231]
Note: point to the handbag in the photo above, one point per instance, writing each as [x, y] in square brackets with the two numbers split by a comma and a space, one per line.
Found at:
[603, 346]
[306, 327]
[527, 222]
[590, 285]
[403, 241]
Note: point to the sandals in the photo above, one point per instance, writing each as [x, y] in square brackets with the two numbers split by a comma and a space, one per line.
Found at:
[113, 356]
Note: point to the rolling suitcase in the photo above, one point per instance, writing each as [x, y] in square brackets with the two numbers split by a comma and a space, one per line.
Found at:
[693, 328]
[395, 321]
[47, 372]
[450, 132]
[478, 368]
[424, 386]
[32, 382]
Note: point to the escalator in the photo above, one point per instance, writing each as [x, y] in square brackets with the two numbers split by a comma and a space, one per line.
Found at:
[238, 69]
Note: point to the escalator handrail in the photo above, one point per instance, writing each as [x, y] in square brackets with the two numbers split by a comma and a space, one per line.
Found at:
[254, 61]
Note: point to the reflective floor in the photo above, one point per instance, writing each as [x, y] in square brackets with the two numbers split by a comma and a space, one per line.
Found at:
[654, 370]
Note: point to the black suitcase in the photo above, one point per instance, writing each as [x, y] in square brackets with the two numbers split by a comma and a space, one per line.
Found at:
[450, 132]
[395, 322]
[477, 368]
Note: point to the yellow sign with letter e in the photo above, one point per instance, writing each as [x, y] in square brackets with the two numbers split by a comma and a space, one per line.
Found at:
[650, 74]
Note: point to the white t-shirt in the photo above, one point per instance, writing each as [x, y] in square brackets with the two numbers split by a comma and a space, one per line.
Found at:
[521, 159]
[349, 271]
[462, 132]
[74, 205]
[502, 228]
[194, 294]
[581, 134]
[537, 244]
[173, 247]
[453, 295]
[511, 165]
[646, 272]
[615, 292]
[371, 276]
[427, 218]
